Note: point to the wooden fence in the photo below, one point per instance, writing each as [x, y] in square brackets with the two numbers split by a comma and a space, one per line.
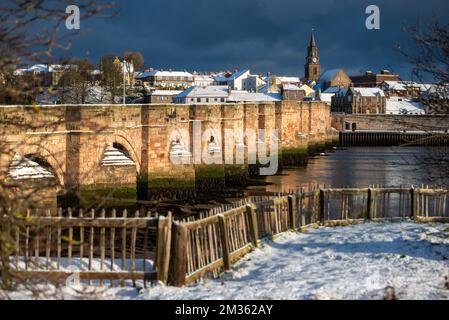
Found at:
[120, 248]
[210, 245]
[97, 246]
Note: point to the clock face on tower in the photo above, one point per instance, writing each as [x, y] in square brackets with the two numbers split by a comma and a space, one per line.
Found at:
[314, 60]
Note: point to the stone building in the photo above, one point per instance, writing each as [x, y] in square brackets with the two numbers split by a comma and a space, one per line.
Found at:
[360, 101]
[370, 79]
[334, 78]
[292, 93]
[162, 96]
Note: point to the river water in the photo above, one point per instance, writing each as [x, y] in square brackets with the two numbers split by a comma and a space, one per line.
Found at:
[364, 166]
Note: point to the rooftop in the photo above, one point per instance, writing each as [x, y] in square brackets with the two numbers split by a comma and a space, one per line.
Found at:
[157, 73]
[245, 96]
[204, 92]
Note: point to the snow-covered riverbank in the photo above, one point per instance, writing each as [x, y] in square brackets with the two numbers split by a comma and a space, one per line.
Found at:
[354, 262]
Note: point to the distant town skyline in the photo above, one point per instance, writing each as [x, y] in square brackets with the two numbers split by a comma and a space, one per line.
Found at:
[262, 35]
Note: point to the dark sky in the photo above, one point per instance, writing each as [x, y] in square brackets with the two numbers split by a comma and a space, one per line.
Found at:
[262, 35]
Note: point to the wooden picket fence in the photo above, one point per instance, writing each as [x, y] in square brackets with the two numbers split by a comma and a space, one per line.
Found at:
[96, 246]
[209, 246]
[106, 247]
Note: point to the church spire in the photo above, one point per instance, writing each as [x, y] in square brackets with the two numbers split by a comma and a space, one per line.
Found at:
[312, 68]
[312, 39]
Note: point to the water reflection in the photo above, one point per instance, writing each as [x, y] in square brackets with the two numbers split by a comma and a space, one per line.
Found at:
[363, 166]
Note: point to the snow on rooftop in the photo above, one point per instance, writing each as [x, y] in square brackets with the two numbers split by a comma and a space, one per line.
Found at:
[289, 86]
[238, 74]
[157, 73]
[200, 77]
[22, 168]
[284, 79]
[329, 75]
[166, 92]
[332, 90]
[204, 92]
[115, 157]
[398, 105]
[369, 92]
[245, 96]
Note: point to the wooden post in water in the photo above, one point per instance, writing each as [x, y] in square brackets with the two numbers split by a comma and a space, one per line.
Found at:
[178, 256]
[224, 242]
[252, 219]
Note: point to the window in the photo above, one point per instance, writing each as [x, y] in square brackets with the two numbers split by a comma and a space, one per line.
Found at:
[216, 99]
[207, 99]
[222, 100]
[192, 100]
[198, 99]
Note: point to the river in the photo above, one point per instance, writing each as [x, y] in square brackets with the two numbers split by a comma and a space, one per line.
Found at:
[364, 166]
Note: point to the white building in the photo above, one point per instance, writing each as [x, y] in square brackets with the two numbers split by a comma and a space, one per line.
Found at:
[235, 81]
[203, 95]
[200, 80]
[252, 83]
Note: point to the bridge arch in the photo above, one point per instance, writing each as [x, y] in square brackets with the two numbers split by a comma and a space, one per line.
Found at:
[45, 158]
[124, 144]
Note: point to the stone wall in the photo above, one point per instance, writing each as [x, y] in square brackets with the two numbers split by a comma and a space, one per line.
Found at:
[392, 122]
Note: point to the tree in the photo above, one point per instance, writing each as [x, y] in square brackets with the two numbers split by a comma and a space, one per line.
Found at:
[75, 81]
[135, 62]
[112, 75]
[30, 32]
[431, 61]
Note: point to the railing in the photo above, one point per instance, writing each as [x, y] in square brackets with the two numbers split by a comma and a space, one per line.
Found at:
[431, 205]
[119, 248]
[95, 246]
[391, 138]
[209, 246]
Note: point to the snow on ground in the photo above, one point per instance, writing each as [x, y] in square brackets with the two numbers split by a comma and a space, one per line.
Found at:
[354, 262]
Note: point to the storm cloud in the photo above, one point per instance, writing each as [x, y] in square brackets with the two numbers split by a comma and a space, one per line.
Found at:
[262, 35]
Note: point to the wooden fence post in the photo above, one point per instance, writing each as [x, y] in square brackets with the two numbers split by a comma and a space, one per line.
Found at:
[414, 204]
[370, 205]
[292, 211]
[224, 242]
[300, 199]
[322, 206]
[163, 247]
[252, 218]
[178, 256]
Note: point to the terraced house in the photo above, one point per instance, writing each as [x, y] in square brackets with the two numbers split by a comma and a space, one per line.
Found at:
[167, 79]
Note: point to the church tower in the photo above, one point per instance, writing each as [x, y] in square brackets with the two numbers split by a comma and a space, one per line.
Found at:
[312, 68]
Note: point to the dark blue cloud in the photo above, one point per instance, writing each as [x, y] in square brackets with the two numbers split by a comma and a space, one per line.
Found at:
[263, 35]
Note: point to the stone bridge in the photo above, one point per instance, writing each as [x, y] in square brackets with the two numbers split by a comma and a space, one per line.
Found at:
[124, 151]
